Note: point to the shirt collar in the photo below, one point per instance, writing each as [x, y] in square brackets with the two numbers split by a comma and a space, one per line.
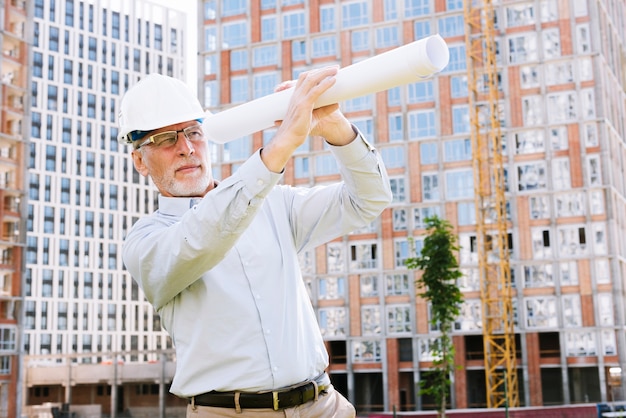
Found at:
[176, 206]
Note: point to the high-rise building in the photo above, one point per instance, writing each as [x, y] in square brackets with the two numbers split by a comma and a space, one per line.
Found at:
[561, 79]
[14, 71]
[81, 307]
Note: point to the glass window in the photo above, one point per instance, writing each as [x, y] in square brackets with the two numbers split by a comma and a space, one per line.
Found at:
[572, 314]
[528, 142]
[324, 47]
[414, 8]
[369, 285]
[523, 48]
[393, 156]
[211, 93]
[421, 29]
[396, 128]
[541, 312]
[398, 189]
[580, 343]
[532, 110]
[234, 7]
[387, 37]
[561, 174]
[235, 34]
[370, 320]
[238, 149]
[457, 150]
[460, 119]
[210, 38]
[333, 322]
[430, 187]
[469, 318]
[398, 319]
[238, 61]
[531, 176]
[302, 167]
[269, 28]
[421, 92]
[325, 164]
[458, 86]
[265, 55]
[294, 24]
[569, 204]
[454, 5]
[332, 288]
[541, 243]
[264, 84]
[429, 153]
[354, 14]
[466, 213]
[572, 240]
[397, 284]
[450, 26]
[530, 75]
[559, 73]
[457, 59]
[390, 10]
[551, 40]
[568, 273]
[459, 184]
[394, 96]
[360, 40]
[399, 219]
[594, 170]
[422, 124]
[562, 107]
[539, 275]
[520, 15]
[366, 351]
[239, 91]
[54, 39]
[363, 256]
[298, 51]
[328, 19]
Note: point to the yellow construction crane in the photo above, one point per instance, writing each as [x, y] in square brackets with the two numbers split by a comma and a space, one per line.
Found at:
[491, 210]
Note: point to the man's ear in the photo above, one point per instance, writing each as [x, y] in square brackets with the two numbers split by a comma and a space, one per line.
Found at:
[138, 161]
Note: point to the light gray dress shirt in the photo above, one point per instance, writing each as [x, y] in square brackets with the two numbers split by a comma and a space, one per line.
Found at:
[223, 272]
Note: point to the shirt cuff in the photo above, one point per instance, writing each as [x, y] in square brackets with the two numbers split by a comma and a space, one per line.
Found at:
[256, 176]
[354, 151]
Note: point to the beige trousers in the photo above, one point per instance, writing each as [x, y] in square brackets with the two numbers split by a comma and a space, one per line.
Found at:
[329, 405]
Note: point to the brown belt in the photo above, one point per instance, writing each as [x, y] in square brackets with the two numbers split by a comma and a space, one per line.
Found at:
[278, 399]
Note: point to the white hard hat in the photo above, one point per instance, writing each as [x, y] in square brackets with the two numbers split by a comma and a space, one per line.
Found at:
[154, 102]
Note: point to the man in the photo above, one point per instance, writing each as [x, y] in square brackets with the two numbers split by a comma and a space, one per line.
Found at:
[218, 261]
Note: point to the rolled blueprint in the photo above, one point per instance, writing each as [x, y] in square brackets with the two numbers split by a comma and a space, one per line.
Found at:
[403, 65]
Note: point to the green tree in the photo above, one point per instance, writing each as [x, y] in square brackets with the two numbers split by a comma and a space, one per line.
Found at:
[440, 271]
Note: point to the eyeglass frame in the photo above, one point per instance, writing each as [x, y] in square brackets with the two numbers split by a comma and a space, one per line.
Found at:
[184, 131]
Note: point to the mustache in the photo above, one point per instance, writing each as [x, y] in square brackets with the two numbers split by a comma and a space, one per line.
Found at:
[189, 162]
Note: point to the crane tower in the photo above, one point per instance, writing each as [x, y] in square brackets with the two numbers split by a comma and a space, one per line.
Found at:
[491, 208]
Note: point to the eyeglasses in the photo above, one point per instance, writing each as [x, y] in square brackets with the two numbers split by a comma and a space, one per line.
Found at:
[169, 138]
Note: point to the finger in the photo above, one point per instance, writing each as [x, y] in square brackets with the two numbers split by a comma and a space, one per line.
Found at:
[310, 79]
[285, 85]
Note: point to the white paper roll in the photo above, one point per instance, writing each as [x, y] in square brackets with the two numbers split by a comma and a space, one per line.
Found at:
[403, 65]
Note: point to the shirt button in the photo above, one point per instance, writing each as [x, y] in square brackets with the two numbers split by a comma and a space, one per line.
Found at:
[260, 182]
[268, 332]
[275, 368]
[257, 296]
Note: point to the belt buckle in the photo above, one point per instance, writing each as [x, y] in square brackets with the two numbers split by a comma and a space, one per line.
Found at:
[275, 400]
